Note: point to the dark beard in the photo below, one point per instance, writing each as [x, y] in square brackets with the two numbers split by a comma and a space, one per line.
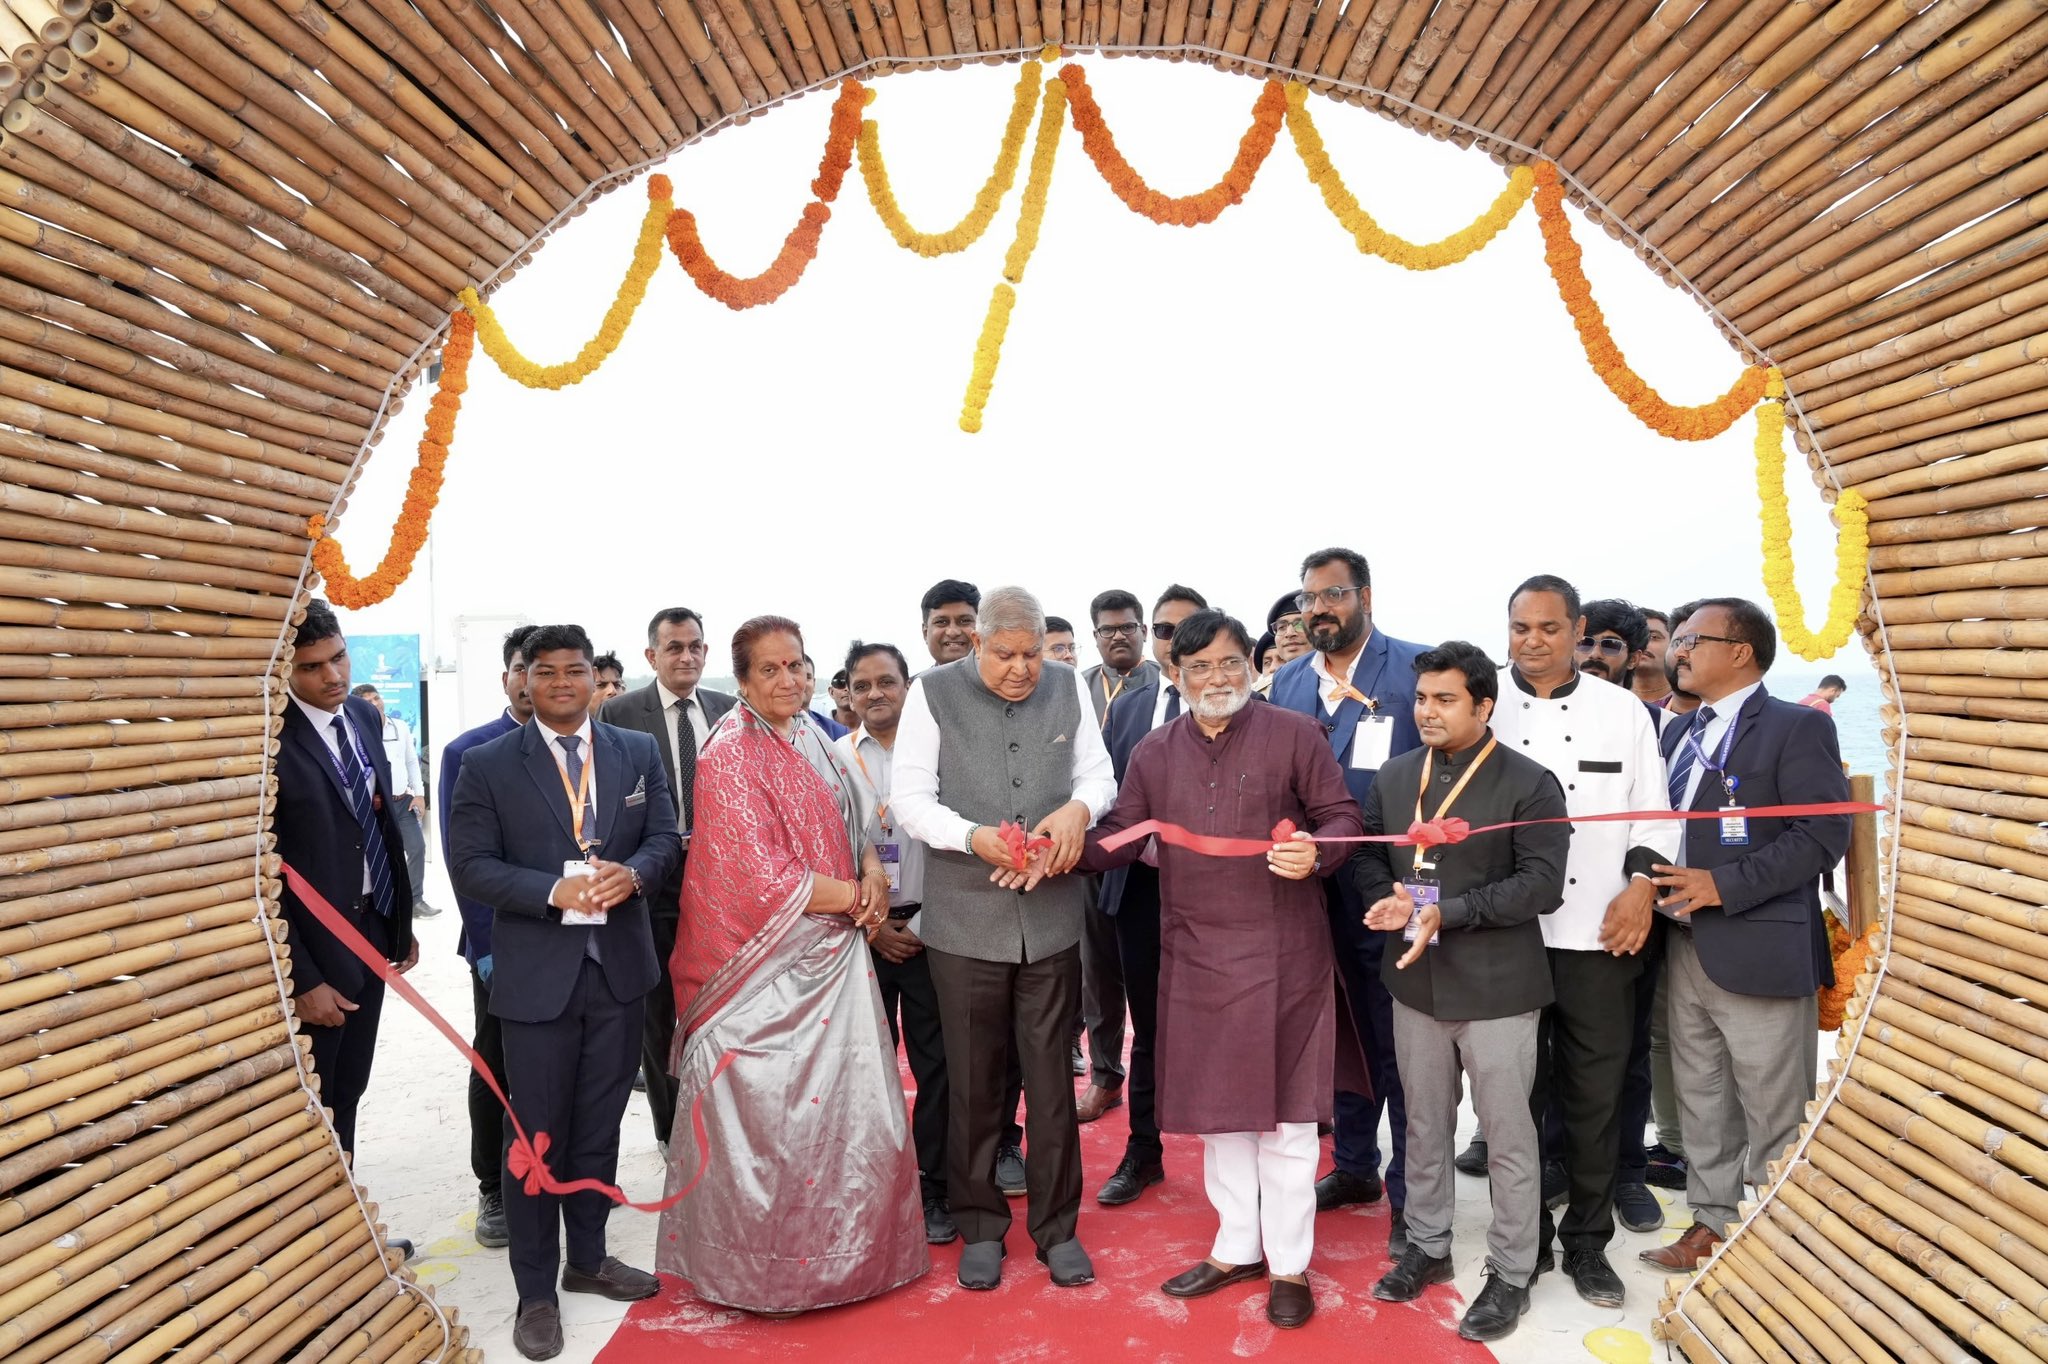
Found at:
[1347, 633]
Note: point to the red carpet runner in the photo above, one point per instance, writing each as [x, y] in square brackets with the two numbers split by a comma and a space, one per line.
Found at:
[1121, 1315]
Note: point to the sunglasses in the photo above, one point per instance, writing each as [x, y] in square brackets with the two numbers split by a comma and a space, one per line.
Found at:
[1162, 630]
[1606, 644]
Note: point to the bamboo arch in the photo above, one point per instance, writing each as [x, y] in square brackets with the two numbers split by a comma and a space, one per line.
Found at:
[230, 235]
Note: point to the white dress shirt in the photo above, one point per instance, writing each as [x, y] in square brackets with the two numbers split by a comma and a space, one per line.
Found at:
[1330, 686]
[553, 739]
[403, 756]
[323, 725]
[1725, 711]
[1159, 702]
[916, 800]
[1580, 732]
[700, 727]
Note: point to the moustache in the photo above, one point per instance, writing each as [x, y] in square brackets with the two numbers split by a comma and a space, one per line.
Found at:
[1318, 622]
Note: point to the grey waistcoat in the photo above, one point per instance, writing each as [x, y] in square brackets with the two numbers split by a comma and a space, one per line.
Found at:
[1001, 760]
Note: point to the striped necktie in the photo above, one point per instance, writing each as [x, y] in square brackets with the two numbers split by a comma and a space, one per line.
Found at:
[572, 757]
[1687, 756]
[362, 802]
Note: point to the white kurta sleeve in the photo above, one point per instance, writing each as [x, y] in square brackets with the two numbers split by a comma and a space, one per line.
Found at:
[914, 790]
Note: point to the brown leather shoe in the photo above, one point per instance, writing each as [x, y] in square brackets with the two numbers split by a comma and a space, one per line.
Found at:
[1289, 1304]
[1688, 1252]
[1206, 1278]
[613, 1279]
[538, 1333]
[1095, 1102]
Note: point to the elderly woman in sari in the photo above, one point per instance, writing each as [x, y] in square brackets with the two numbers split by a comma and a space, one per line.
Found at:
[790, 1110]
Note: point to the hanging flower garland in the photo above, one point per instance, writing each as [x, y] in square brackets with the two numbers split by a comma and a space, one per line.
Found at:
[646, 256]
[1852, 541]
[969, 229]
[800, 248]
[988, 351]
[1561, 253]
[1188, 210]
[422, 492]
[1374, 240]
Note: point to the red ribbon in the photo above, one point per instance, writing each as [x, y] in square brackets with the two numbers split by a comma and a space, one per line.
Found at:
[1021, 847]
[527, 1160]
[1431, 833]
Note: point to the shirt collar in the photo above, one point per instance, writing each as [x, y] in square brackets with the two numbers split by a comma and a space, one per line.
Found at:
[1465, 757]
[548, 736]
[1729, 705]
[669, 698]
[321, 719]
[1522, 684]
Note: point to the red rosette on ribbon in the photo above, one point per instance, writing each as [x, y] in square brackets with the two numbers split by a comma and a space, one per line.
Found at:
[1433, 833]
[1020, 844]
[1284, 830]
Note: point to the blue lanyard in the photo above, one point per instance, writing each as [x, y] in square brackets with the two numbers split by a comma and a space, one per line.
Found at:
[1718, 764]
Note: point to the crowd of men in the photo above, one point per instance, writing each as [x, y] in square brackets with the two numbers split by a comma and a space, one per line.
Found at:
[1585, 980]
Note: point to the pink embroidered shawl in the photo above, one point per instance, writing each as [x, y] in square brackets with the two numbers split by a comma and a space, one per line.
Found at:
[766, 823]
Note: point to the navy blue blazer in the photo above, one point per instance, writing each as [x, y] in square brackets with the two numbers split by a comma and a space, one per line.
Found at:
[1128, 720]
[474, 941]
[1386, 673]
[1767, 936]
[509, 833]
[317, 833]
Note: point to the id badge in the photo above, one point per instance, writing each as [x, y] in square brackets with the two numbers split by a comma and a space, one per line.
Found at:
[1372, 743]
[1424, 892]
[892, 863]
[1734, 828]
[580, 918]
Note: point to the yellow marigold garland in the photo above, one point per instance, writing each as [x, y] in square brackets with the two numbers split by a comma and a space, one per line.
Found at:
[1052, 119]
[1852, 541]
[646, 255]
[969, 229]
[1374, 240]
[1561, 253]
[346, 590]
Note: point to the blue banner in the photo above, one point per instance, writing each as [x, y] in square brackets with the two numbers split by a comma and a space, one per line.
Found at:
[391, 664]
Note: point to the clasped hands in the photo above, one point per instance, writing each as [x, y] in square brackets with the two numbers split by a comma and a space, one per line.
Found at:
[608, 885]
[1067, 831]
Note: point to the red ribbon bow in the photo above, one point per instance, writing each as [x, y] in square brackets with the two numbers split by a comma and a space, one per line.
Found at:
[1432, 833]
[1020, 844]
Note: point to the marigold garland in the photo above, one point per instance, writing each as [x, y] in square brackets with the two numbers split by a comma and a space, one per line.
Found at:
[1188, 210]
[1374, 240]
[1852, 541]
[646, 256]
[422, 492]
[1561, 253]
[800, 248]
[1851, 957]
[988, 351]
[969, 229]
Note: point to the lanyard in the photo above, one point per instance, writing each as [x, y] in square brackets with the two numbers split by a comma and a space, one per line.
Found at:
[353, 740]
[579, 796]
[1718, 764]
[882, 811]
[1429, 758]
[1109, 696]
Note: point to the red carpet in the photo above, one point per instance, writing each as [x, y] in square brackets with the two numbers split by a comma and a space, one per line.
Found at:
[1123, 1313]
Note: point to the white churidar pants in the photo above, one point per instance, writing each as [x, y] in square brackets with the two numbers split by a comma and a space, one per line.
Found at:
[1263, 1187]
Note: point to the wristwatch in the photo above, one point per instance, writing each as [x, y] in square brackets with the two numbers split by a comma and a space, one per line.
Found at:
[634, 872]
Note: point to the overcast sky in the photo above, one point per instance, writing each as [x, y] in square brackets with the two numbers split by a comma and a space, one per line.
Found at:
[1197, 405]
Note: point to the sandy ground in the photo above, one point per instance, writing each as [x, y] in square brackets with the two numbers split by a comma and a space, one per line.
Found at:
[414, 1159]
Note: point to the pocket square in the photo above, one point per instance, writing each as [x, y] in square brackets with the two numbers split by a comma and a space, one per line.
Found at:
[1062, 739]
[639, 793]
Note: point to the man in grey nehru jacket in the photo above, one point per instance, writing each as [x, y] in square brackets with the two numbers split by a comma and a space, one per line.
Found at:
[1004, 737]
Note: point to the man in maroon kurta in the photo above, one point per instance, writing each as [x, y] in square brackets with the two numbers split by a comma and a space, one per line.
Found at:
[1247, 1008]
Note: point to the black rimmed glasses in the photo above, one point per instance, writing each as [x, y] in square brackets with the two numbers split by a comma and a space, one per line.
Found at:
[1290, 625]
[1329, 596]
[1131, 630]
[1689, 642]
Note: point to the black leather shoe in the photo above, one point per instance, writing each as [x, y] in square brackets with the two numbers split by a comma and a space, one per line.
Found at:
[1206, 1278]
[981, 1265]
[404, 1247]
[538, 1332]
[1130, 1180]
[1594, 1277]
[1496, 1312]
[1636, 1208]
[1472, 1160]
[1417, 1271]
[1666, 1168]
[1397, 1237]
[614, 1279]
[1010, 1180]
[1078, 1061]
[1289, 1304]
[939, 1227]
[491, 1231]
[1341, 1189]
[1546, 1260]
[1557, 1185]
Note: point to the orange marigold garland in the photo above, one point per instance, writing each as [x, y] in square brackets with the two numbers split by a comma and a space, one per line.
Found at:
[1187, 210]
[800, 248]
[346, 590]
[1561, 253]
[1852, 958]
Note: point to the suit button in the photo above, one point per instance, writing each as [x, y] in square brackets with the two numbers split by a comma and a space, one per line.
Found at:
[1014, 747]
[1571, 880]
[1009, 710]
[1016, 781]
[1571, 786]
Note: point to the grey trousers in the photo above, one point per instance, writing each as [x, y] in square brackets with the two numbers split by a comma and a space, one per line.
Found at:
[1102, 996]
[1663, 1088]
[1745, 1066]
[1499, 1054]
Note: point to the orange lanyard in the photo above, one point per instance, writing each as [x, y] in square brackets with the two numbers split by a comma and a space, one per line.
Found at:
[1108, 697]
[882, 811]
[1429, 758]
[577, 799]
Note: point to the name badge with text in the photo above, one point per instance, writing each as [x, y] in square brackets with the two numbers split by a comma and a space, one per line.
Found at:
[892, 863]
[1424, 892]
[1734, 828]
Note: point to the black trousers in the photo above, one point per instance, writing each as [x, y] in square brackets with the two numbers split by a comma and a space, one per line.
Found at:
[1582, 1046]
[1636, 1089]
[658, 1028]
[342, 1056]
[907, 992]
[568, 1077]
[981, 1003]
[486, 1118]
[1137, 940]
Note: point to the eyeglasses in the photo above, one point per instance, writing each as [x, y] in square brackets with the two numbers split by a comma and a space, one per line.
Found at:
[1131, 631]
[1163, 629]
[1290, 625]
[1688, 642]
[1606, 644]
[1232, 668]
[1329, 596]
[1063, 652]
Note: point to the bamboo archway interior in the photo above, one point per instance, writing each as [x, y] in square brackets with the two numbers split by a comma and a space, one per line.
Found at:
[231, 232]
